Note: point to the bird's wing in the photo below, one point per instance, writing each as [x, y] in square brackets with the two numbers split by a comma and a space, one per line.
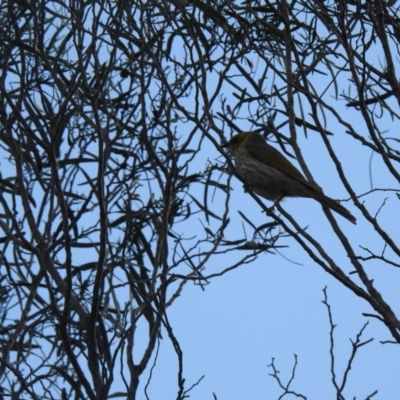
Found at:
[276, 160]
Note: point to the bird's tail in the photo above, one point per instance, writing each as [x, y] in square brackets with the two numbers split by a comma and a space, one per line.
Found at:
[335, 206]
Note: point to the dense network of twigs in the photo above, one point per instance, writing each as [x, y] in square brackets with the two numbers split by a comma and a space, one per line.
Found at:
[114, 192]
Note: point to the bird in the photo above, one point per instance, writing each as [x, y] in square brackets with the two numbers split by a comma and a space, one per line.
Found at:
[269, 174]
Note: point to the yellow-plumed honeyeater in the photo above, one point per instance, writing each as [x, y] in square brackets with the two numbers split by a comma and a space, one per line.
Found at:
[270, 175]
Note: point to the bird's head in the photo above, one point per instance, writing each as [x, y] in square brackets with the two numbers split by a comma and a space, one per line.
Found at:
[243, 138]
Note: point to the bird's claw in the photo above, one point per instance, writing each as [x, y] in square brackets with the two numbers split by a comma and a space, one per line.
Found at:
[272, 208]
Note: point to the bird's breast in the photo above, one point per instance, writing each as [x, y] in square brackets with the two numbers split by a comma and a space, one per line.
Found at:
[267, 181]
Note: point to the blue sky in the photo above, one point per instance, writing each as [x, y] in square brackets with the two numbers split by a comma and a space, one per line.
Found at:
[272, 308]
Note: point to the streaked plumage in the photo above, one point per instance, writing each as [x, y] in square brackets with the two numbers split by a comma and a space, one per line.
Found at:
[270, 175]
